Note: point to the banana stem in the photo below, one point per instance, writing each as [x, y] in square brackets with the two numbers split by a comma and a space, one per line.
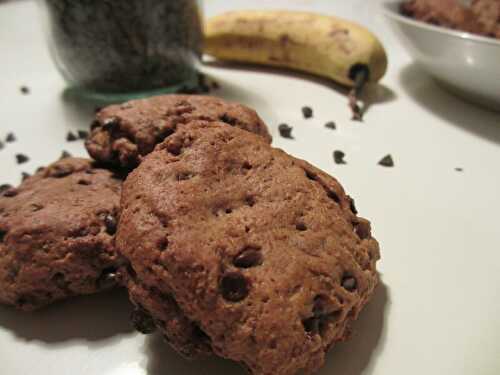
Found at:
[360, 78]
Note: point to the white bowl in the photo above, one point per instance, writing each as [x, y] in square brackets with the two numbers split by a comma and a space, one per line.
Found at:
[467, 64]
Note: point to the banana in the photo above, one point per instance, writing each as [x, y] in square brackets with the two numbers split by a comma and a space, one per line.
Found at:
[322, 45]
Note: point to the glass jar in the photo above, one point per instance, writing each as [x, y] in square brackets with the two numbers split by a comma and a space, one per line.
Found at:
[114, 50]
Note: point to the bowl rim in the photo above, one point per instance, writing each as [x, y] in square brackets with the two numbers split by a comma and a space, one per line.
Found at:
[391, 10]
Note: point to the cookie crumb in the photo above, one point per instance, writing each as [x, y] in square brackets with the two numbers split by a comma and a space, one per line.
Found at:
[338, 157]
[65, 154]
[71, 137]
[307, 112]
[21, 158]
[331, 125]
[25, 90]
[285, 131]
[387, 161]
[11, 137]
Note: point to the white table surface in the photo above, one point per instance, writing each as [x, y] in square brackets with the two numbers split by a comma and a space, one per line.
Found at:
[438, 308]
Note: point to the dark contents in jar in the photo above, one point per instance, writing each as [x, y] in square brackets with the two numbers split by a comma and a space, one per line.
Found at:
[124, 46]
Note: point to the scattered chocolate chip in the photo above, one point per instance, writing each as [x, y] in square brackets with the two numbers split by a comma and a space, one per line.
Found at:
[285, 131]
[142, 322]
[349, 283]
[5, 187]
[234, 287]
[83, 134]
[249, 257]
[11, 137]
[334, 196]
[110, 223]
[95, 124]
[21, 158]
[331, 125]
[64, 155]
[459, 169]
[108, 279]
[386, 161]
[228, 119]
[40, 169]
[71, 137]
[1, 145]
[2, 235]
[24, 176]
[307, 112]
[11, 192]
[25, 90]
[338, 157]
[84, 182]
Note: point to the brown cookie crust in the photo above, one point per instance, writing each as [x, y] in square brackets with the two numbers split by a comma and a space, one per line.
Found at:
[57, 234]
[239, 249]
[122, 134]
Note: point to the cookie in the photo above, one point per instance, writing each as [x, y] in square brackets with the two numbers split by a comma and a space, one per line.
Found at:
[238, 249]
[122, 134]
[57, 234]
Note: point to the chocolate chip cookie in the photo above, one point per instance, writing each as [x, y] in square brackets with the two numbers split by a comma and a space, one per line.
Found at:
[57, 234]
[122, 134]
[241, 250]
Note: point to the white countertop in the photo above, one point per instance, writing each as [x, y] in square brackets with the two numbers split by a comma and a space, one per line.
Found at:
[438, 308]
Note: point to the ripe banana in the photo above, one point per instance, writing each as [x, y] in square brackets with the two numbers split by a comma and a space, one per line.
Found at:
[314, 43]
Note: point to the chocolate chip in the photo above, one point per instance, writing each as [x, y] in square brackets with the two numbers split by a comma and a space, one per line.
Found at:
[311, 325]
[459, 169]
[331, 125]
[300, 226]
[24, 176]
[2, 235]
[386, 161]
[83, 134]
[110, 223]
[249, 257]
[11, 137]
[5, 187]
[1, 145]
[84, 182]
[310, 175]
[142, 322]
[24, 90]
[108, 279]
[64, 155]
[71, 137]
[215, 85]
[352, 205]
[12, 192]
[40, 169]
[111, 124]
[234, 287]
[307, 112]
[349, 283]
[338, 157]
[21, 158]
[333, 196]
[285, 131]
[228, 119]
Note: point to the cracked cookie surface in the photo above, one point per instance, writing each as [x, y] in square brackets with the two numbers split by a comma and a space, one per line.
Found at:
[238, 249]
[123, 134]
[57, 232]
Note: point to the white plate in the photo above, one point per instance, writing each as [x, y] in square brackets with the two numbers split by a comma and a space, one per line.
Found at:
[466, 64]
[437, 311]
